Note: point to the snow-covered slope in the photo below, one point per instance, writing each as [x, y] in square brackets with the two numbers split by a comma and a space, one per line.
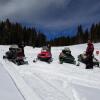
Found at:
[43, 81]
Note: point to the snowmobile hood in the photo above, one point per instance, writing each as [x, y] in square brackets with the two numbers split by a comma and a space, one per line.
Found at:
[45, 54]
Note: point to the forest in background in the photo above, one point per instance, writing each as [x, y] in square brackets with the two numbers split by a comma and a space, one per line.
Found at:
[81, 36]
[15, 33]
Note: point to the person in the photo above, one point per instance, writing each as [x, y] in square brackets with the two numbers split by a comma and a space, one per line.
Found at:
[89, 55]
[49, 47]
[22, 45]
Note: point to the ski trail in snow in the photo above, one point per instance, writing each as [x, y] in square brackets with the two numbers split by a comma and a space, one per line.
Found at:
[24, 89]
[73, 76]
[51, 92]
[8, 89]
[65, 84]
[53, 81]
[14, 83]
[45, 89]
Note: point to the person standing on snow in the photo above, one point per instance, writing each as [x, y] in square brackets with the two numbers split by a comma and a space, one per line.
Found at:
[22, 45]
[49, 47]
[89, 54]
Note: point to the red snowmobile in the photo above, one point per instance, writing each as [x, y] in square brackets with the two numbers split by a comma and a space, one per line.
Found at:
[45, 55]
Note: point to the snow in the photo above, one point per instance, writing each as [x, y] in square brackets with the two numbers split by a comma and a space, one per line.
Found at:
[43, 81]
[8, 90]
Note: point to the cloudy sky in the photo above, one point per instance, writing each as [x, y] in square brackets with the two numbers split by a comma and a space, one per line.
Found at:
[51, 15]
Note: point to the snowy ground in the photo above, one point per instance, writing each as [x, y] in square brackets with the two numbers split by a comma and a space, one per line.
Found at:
[8, 89]
[43, 81]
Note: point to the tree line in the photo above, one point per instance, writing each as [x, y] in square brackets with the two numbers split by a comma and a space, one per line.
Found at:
[81, 36]
[15, 33]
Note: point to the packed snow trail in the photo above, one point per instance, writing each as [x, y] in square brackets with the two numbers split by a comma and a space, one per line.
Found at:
[8, 89]
[48, 88]
[56, 81]
[73, 75]
[62, 81]
[45, 89]
[24, 89]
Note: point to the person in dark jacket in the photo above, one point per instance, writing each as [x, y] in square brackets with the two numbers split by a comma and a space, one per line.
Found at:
[89, 54]
[49, 47]
[22, 45]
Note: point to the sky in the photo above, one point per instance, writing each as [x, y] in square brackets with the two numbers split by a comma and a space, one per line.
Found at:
[51, 16]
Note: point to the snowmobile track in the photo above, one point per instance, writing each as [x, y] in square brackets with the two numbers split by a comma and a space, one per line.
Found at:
[47, 90]
[23, 88]
[73, 76]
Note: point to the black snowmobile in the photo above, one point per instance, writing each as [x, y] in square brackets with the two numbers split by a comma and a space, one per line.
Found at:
[66, 56]
[15, 55]
[82, 58]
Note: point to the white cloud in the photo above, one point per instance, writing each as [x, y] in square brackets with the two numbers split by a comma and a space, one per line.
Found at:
[51, 13]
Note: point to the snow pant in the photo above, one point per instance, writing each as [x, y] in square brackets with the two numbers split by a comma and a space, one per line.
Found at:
[89, 62]
[23, 52]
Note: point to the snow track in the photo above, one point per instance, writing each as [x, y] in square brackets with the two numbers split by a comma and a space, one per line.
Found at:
[24, 89]
[31, 85]
[46, 90]
[82, 77]
[59, 79]
[43, 81]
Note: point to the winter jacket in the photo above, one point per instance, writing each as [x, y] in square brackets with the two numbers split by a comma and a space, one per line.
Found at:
[89, 50]
[49, 48]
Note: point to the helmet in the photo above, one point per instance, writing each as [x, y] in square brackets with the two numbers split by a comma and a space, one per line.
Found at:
[66, 49]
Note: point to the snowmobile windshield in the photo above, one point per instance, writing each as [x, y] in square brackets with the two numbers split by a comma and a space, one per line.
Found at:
[45, 48]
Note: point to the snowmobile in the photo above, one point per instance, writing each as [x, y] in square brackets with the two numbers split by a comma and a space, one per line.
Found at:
[66, 56]
[15, 55]
[82, 58]
[44, 55]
